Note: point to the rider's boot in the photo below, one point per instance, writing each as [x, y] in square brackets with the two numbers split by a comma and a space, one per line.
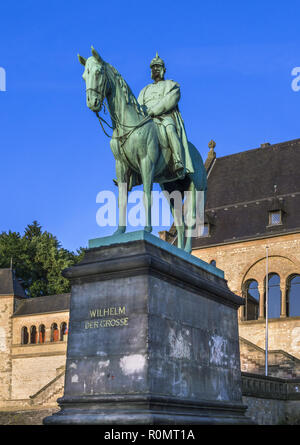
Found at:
[179, 169]
[177, 149]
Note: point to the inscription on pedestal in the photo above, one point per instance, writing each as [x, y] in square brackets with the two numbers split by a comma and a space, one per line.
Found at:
[100, 318]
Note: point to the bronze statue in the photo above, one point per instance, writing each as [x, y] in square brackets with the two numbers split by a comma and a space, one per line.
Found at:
[148, 141]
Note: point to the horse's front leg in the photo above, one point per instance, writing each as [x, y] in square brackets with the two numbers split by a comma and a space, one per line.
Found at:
[122, 197]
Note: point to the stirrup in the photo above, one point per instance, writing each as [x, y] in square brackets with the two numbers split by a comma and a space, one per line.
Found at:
[178, 167]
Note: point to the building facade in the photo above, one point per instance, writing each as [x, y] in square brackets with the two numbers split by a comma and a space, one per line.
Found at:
[33, 342]
[252, 229]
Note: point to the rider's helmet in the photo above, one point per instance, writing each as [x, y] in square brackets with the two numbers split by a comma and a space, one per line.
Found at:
[157, 61]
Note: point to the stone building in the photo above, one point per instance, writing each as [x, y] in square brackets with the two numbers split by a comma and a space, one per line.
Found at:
[33, 342]
[252, 225]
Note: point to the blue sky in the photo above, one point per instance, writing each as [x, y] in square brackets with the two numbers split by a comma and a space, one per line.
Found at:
[232, 59]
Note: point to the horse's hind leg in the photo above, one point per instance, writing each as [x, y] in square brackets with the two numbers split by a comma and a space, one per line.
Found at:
[176, 210]
[147, 172]
[122, 197]
[190, 216]
[194, 213]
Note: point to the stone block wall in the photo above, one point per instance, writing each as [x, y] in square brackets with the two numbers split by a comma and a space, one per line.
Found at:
[6, 310]
[35, 365]
[30, 374]
[270, 400]
[280, 363]
[244, 260]
[283, 334]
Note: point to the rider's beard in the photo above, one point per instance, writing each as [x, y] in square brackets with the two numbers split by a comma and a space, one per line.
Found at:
[159, 76]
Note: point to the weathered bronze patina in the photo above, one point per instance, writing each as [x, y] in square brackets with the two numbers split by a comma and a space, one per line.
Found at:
[149, 141]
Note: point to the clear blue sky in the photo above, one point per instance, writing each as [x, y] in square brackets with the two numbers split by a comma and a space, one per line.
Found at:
[232, 59]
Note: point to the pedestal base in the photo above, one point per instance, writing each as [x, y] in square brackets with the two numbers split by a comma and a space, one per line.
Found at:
[147, 410]
[153, 339]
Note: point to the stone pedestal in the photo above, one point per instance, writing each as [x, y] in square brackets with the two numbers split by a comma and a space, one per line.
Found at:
[153, 338]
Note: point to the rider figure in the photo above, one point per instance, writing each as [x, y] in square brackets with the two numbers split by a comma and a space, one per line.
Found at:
[160, 101]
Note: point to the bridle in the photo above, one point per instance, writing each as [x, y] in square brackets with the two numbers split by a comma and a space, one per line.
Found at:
[115, 119]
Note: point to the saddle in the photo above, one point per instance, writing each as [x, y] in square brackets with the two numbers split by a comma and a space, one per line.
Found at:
[169, 174]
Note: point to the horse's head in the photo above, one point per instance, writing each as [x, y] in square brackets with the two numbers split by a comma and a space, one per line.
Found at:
[95, 79]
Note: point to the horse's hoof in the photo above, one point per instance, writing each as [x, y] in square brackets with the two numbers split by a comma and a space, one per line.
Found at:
[148, 229]
[119, 231]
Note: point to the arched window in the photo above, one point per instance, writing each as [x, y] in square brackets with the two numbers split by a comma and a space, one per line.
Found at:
[42, 332]
[251, 295]
[293, 296]
[24, 335]
[213, 263]
[63, 331]
[54, 332]
[33, 335]
[274, 296]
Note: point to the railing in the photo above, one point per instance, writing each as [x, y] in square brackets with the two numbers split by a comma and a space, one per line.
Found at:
[260, 386]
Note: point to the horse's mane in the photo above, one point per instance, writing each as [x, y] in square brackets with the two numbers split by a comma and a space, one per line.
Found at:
[129, 96]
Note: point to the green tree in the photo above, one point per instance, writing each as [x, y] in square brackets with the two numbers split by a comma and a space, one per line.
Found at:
[38, 259]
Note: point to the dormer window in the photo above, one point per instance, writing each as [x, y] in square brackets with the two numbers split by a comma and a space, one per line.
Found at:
[275, 218]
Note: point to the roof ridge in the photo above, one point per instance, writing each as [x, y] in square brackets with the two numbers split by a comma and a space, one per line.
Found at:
[46, 296]
[260, 148]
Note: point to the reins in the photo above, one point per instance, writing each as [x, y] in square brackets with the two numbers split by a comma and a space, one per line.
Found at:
[115, 118]
[117, 122]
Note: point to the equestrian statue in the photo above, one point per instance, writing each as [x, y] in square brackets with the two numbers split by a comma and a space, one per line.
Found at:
[149, 141]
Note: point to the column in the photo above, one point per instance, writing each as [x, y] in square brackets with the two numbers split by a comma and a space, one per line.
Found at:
[283, 297]
[261, 289]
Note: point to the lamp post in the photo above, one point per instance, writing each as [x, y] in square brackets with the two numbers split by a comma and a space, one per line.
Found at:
[267, 312]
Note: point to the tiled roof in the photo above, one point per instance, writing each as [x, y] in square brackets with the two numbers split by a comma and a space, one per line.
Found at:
[40, 305]
[244, 187]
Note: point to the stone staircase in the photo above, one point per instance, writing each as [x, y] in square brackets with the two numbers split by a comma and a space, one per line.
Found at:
[280, 363]
[49, 393]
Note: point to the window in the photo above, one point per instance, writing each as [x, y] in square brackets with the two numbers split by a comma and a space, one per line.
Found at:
[275, 218]
[293, 296]
[42, 331]
[251, 295]
[274, 296]
[33, 335]
[24, 335]
[63, 331]
[54, 332]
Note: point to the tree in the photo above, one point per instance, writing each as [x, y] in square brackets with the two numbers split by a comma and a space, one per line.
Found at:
[38, 259]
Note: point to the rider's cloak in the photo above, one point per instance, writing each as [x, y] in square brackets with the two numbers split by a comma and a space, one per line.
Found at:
[162, 98]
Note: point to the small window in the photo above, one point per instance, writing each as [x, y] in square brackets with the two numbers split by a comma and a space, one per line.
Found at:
[42, 332]
[24, 335]
[275, 218]
[274, 296]
[63, 331]
[33, 335]
[293, 300]
[251, 295]
[203, 230]
[54, 333]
